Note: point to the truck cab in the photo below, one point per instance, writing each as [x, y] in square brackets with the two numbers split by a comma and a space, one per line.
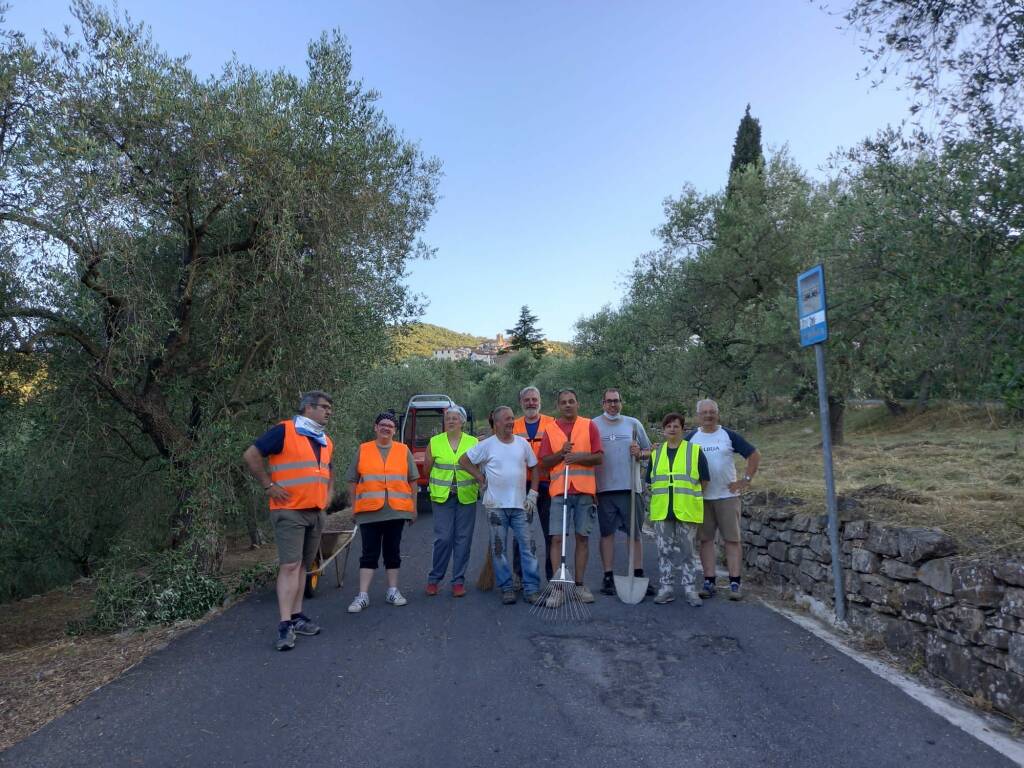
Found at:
[424, 418]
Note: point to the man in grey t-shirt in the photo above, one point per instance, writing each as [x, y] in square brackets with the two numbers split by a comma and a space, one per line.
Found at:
[614, 481]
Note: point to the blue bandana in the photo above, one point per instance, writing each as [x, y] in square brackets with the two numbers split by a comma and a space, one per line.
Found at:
[309, 428]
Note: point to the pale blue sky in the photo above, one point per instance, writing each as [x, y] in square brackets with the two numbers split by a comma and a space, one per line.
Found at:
[562, 126]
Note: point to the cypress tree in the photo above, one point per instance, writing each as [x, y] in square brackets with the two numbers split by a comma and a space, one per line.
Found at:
[747, 147]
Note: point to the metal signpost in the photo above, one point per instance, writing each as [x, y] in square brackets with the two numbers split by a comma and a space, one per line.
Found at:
[810, 302]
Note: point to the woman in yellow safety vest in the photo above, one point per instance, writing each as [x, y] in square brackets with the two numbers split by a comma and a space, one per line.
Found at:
[677, 474]
[453, 495]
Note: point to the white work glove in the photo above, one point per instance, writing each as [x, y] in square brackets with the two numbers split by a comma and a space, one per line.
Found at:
[530, 505]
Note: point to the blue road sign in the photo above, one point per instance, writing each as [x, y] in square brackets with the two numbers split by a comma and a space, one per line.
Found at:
[810, 304]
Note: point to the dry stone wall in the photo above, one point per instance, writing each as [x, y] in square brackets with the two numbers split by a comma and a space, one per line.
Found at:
[906, 587]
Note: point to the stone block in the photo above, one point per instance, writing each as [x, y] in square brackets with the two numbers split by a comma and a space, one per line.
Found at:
[819, 544]
[758, 541]
[920, 544]
[751, 559]
[938, 574]
[777, 549]
[812, 569]
[883, 540]
[1005, 621]
[801, 522]
[763, 563]
[769, 533]
[1015, 654]
[997, 638]
[863, 561]
[976, 584]
[914, 603]
[964, 620]
[951, 637]
[1013, 603]
[883, 608]
[1011, 572]
[787, 570]
[876, 588]
[753, 525]
[795, 554]
[856, 529]
[1005, 690]
[953, 663]
[822, 591]
[818, 524]
[895, 569]
[806, 583]
[989, 655]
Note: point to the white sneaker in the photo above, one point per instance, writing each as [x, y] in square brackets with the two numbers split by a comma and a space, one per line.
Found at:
[665, 595]
[395, 598]
[359, 602]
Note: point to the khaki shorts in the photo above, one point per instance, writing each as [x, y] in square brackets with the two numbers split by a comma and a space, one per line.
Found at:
[297, 534]
[724, 515]
[580, 514]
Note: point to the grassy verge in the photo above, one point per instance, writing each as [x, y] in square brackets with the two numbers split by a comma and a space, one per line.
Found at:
[958, 468]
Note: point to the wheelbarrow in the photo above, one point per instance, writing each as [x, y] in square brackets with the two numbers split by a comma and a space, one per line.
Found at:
[335, 544]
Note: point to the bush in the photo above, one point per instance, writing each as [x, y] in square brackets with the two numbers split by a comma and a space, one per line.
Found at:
[137, 590]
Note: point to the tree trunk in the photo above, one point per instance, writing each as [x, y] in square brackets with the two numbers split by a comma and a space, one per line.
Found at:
[836, 411]
[924, 390]
[895, 407]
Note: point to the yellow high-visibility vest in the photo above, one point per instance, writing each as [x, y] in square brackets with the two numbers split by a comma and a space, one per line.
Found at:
[446, 466]
[681, 481]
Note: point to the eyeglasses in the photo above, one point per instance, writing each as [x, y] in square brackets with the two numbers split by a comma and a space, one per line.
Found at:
[610, 400]
[324, 406]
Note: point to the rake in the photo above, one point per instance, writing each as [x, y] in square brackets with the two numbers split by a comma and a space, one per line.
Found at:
[559, 600]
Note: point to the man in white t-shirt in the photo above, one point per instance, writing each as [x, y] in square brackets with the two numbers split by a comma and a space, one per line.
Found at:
[499, 465]
[721, 497]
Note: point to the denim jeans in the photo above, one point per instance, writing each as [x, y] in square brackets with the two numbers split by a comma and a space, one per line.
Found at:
[501, 520]
[453, 534]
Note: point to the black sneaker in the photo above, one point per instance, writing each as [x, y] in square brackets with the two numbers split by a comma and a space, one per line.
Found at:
[608, 586]
[303, 625]
[651, 591]
[285, 636]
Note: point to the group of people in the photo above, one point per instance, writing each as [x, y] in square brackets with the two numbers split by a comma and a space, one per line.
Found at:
[569, 471]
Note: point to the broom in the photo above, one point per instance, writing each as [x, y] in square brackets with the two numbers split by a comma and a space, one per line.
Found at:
[485, 581]
[560, 601]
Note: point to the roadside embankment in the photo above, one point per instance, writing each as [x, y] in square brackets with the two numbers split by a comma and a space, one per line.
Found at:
[961, 618]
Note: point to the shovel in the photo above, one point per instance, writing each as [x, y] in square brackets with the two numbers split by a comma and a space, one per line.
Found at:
[631, 589]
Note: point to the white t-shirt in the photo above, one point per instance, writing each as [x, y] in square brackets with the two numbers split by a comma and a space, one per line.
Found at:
[504, 465]
[719, 450]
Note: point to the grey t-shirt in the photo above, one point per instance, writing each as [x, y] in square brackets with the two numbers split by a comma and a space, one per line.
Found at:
[616, 436]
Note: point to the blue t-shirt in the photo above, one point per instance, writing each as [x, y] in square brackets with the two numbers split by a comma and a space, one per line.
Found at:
[271, 442]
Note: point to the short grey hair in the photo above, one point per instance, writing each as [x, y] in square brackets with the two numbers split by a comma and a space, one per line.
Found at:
[495, 411]
[526, 390]
[313, 397]
[706, 401]
[459, 410]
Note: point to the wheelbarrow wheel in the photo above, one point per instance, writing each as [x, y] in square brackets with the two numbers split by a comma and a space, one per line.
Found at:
[313, 579]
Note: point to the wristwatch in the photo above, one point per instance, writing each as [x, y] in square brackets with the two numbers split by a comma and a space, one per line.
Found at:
[268, 487]
[747, 478]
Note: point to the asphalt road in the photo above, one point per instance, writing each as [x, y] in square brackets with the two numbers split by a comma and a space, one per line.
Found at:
[469, 682]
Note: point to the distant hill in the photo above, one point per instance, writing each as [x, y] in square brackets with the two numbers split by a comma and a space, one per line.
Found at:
[422, 339]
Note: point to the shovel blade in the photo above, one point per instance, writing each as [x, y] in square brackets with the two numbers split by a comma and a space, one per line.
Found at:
[631, 589]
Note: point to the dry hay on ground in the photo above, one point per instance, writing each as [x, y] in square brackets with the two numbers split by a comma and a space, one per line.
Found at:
[44, 673]
[42, 682]
[958, 469]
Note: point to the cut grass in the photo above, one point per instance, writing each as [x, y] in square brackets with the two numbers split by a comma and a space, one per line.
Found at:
[958, 468]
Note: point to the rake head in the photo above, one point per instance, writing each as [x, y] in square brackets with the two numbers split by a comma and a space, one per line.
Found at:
[560, 601]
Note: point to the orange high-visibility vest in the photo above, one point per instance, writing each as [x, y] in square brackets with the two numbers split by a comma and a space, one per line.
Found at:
[583, 479]
[519, 428]
[296, 470]
[379, 481]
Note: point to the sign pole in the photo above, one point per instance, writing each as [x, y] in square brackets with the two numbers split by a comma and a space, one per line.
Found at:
[830, 485]
[810, 302]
